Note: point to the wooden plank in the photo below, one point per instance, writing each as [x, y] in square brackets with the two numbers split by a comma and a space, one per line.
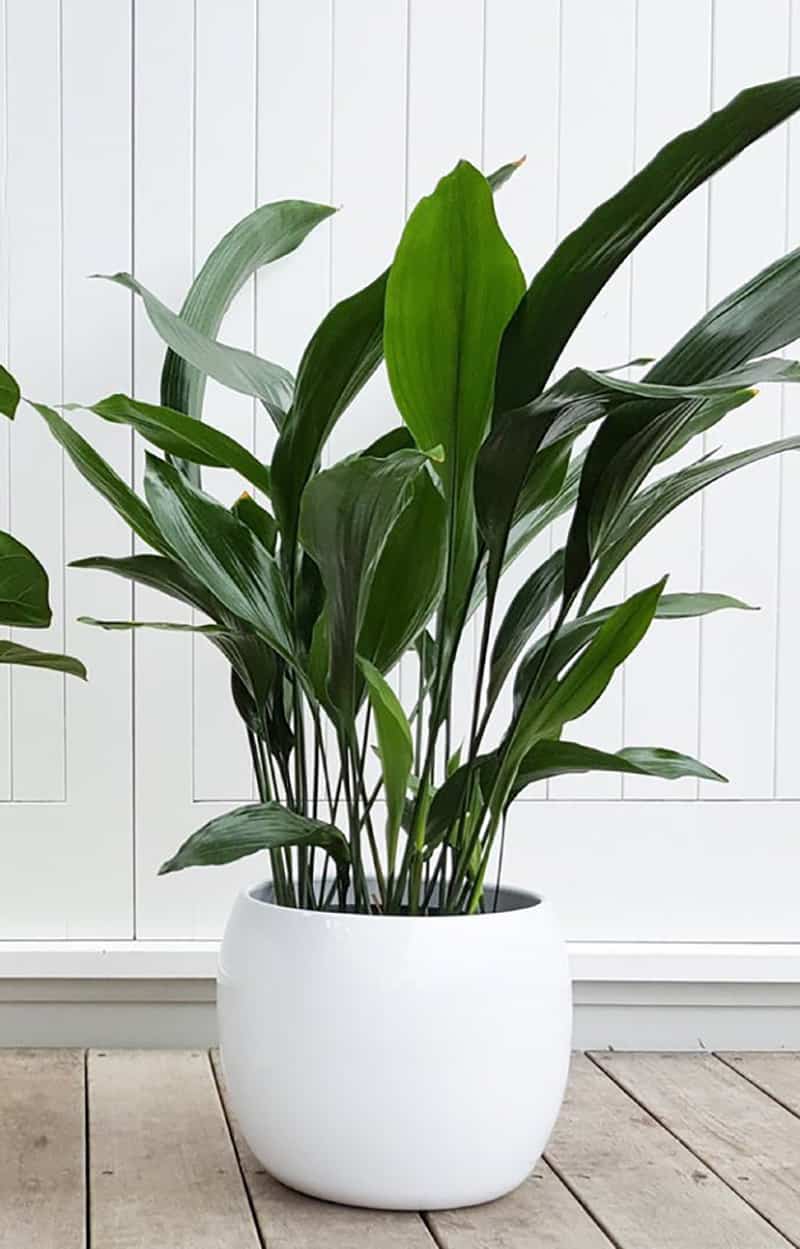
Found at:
[162, 1170]
[750, 1141]
[778, 1074]
[42, 1201]
[641, 1184]
[289, 1220]
[540, 1214]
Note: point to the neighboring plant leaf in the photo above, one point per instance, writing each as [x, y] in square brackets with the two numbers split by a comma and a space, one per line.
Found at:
[222, 553]
[183, 436]
[105, 481]
[25, 657]
[264, 235]
[453, 285]
[347, 514]
[340, 358]
[550, 758]
[526, 611]
[231, 366]
[653, 504]
[395, 748]
[23, 586]
[579, 268]
[261, 826]
[9, 393]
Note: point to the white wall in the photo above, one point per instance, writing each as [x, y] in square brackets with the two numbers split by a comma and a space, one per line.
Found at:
[131, 139]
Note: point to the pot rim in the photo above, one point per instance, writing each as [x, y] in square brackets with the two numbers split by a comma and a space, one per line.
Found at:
[520, 900]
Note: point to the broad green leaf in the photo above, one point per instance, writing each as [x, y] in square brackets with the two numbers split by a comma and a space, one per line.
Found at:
[579, 268]
[340, 358]
[9, 393]
[257, 518]
[169, 626]
[575, 634]
[183, 436]
[558, 758]
[653, 504]
[265, 235]
[261, 826]
[347, 514]
[526, 611]
[222, 553]
[25, 657]
[453, 285]
[405, 592]
[105, 481]
[235, 368]
[544, 709]
[395, 748]
[158, 573]
[23, 586]
[765, 369]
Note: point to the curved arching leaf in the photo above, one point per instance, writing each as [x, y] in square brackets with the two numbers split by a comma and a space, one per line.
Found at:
[550, 758]
[23, 586]
[526, 611]
[258, 826]
[395, 748]
[25, 657]
[9, 393]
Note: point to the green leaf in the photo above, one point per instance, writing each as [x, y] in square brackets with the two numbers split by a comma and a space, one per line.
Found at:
[527, 609]
[23, 586]
[579, 268]
[235, 368]
[653, 504]
[183, 436]
[271, 231]
[543, 710]
[9, 393]
[105, 481]
[575, 634]
[261, 826]
[24, 656]
[347, 514]
[395, 748]
[340, 358]
[558, 758]
[158, 573]
[453, 286]
[258, 519]
[405, 592]
[170, 626]
[222, 553]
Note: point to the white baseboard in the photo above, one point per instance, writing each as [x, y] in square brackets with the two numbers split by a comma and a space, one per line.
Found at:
[627, 996]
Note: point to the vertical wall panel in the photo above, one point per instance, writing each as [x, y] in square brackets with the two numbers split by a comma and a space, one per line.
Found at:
[5, 430]
[596, 158]
[669, 294]
[740, 530]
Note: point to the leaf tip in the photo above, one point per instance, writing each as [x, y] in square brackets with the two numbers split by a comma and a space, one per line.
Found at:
[520, 161]
[169, 865]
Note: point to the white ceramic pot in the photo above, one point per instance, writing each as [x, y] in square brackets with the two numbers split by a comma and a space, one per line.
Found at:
[392, 1061]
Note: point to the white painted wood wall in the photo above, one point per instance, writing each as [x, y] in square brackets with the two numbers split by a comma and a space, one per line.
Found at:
[132, 137]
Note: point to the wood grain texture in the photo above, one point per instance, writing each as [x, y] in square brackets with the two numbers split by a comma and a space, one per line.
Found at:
[288, 1220]
[750, 1141]
[646, 1188]
[162, 1169]
[540, 1214]
[778, 1074]
[42, 1201]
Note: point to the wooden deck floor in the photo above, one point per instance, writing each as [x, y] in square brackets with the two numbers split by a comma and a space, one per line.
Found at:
[133, 1150]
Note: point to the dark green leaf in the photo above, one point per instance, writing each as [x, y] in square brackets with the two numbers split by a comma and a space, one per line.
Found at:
[168, 625]
[257, 518]
[183, 436]
[347, 514]
[9, 393]
[528, 608]
[159, 573]
[261, 826]
[23, 586]
[12, 653]
[558, 758]
[222, 553]
[579, 268]
[340, 358]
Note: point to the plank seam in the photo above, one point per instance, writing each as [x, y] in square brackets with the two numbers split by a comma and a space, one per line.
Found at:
[242, 1176]
[591, 1055]
[87, 1193]
[595, 1218]
[755, 1083]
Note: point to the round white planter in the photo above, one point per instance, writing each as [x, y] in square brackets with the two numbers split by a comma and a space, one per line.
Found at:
[393, 1061]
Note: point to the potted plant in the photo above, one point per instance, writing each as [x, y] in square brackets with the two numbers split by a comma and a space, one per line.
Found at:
[394, 1022]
